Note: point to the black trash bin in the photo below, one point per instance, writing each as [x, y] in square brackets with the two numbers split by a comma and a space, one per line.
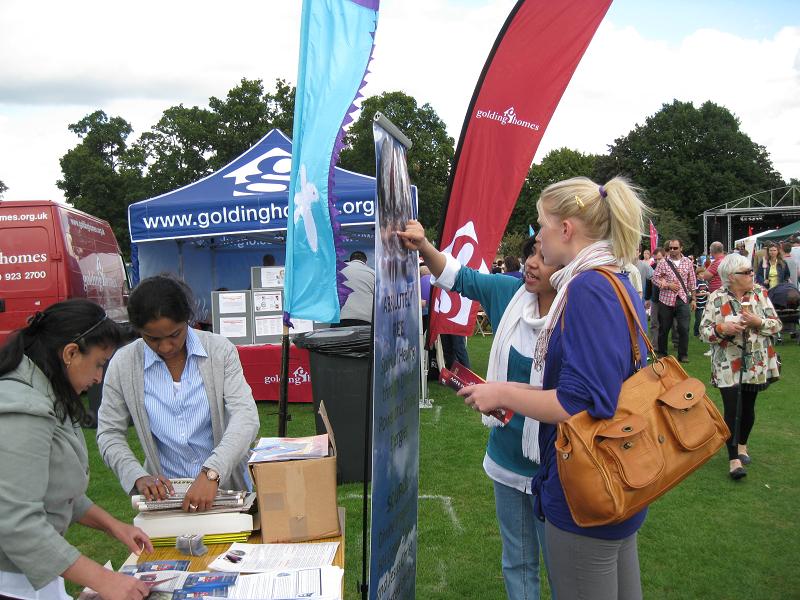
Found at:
[339, 361]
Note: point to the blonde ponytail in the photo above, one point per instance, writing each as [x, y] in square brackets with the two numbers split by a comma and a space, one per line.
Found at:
[612, 212]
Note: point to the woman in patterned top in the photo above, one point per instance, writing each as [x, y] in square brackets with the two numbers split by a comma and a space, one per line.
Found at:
[735, 329]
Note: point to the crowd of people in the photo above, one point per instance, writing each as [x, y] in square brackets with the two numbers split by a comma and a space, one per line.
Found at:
[560, 346]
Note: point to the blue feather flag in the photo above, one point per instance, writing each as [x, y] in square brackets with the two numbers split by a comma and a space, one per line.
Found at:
[336, 42]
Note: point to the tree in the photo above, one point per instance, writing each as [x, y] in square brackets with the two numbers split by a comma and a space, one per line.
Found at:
[188, 144]
[690, 159]
[101, 175]
[672, 227]
[511, 244]
[429, 158]
[246, 115]
[557, 165]
[3, 188]
[177, 148]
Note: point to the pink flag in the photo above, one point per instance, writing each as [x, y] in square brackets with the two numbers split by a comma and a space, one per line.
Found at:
[653, 237]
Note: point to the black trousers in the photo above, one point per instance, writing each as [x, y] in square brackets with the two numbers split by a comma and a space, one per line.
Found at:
[748, 416]
[681, 311]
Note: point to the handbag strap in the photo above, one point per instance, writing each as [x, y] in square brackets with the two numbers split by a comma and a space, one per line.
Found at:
[630, 315]
[680, 279]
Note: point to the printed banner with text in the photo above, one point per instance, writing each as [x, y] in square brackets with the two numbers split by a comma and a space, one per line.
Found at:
[395, 383]
[523, 79]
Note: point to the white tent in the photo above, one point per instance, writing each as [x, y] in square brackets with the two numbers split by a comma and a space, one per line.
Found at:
[750, 241]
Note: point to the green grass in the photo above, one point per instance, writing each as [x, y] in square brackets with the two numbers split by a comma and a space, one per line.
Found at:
[710, 538]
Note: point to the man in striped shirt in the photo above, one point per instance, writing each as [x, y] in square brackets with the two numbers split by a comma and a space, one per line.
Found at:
[675, 279]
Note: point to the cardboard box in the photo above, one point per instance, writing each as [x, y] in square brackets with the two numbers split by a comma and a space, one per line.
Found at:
[297, 498]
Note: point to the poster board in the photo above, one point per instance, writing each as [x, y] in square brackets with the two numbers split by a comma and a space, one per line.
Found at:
[232, 315]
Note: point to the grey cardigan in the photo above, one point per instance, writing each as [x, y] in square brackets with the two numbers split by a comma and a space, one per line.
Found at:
[234, 418]
[44, 473]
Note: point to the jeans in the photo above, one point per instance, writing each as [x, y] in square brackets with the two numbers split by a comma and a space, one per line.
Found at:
[454, 347]
[698, 316]
[666, 314]
[522, 535]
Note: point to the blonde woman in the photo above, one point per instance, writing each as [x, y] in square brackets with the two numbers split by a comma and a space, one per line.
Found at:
[585, 338]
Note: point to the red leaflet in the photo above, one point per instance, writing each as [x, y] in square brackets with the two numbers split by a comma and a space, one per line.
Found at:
[460, 376]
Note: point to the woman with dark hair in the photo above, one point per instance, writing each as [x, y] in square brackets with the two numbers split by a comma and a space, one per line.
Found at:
[185, 393]
[517, 309]
[44, 473]
[772, 270]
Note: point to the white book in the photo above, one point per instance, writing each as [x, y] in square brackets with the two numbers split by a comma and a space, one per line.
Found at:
[169, 523]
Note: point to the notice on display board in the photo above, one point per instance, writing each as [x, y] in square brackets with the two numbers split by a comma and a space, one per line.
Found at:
[302, 325]
[272, 277]
[233, 327]
[267, 301]
[271, 325]
[232, 303]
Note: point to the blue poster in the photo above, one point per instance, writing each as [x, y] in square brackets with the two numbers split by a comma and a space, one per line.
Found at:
[395, 384]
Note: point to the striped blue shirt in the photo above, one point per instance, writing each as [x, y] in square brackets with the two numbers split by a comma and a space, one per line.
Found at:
[180, 416]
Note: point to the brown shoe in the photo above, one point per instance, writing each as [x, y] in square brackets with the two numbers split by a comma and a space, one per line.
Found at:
[683, 359]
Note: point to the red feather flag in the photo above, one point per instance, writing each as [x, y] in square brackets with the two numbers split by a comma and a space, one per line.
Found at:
[523, 80]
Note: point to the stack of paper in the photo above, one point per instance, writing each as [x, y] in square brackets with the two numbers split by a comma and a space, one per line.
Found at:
[320, 583]
[278, 449]
[259, 558]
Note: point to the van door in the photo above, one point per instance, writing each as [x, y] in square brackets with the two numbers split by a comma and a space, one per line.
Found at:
[28, 273]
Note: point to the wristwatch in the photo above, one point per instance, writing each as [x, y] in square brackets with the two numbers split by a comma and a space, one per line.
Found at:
[211, 474]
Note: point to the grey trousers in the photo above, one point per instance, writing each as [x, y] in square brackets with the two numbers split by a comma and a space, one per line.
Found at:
[588, 568]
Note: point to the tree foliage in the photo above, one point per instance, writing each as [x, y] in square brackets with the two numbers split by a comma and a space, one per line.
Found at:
[245, 115]
[188, 144]
[3, 189]
[101, 174]
[429, 158]
[511, 244]
[670, 226]
[557, 165]
[690, 159]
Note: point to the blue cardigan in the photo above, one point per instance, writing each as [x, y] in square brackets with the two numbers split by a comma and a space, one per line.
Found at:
[586, 365]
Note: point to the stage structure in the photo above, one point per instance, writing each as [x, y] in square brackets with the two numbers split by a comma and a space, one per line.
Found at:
[769, 209]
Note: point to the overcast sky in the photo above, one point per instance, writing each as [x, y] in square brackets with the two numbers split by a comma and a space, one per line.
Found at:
[59, 61]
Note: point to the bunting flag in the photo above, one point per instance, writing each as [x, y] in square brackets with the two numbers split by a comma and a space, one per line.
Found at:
[523, 79]
[653, 238]
[336, 42]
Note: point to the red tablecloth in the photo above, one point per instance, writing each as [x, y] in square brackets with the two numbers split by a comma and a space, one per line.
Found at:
[262, 370]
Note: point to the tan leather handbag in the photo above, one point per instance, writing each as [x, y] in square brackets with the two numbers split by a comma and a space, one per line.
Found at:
[664, 428]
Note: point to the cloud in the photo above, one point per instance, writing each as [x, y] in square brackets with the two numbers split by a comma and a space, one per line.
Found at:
[624, 78]
[60, 61]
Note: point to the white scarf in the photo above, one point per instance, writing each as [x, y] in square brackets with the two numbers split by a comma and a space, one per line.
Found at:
[598, 254]
[521, 316]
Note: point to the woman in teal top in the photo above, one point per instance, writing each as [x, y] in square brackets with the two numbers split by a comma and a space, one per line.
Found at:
[45, 467]
[517, 310]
